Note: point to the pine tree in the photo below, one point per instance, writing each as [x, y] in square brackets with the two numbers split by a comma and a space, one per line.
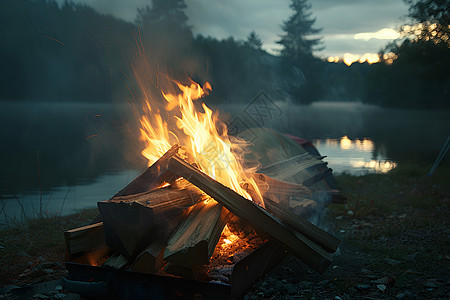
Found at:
[254, 41]
[167, 13]
[298, 29]
[301, 69]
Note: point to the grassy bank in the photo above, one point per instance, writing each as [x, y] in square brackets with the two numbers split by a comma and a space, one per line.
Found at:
[33, 250]
[394, 224]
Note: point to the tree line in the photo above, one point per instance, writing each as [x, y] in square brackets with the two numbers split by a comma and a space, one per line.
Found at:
[73, 53]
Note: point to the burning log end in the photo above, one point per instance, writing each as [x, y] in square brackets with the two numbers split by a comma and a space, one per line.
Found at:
[194, 241]
[153, 176]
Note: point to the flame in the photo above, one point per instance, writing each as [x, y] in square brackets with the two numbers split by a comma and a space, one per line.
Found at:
[230, 237]
[200, 130]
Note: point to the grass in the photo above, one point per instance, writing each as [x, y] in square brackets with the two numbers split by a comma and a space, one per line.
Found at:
[403, 188]
[26, 244]
[400, 215]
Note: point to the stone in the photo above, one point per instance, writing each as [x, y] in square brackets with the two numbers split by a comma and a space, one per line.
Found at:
[46, 265]
[8, 288]
[381, 287]
[282, 288]
[23, 253]
[383, 280]
[411, 257]
[391, 261]
[270, 292]
[363, 287]
[324, 282]
[291, 289]
[72, 296]
[405, 295]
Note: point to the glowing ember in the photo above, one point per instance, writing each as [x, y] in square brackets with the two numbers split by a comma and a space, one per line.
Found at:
[199, 130]
[230, 237]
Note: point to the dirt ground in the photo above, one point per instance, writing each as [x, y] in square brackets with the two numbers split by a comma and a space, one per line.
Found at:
[411, 264]
[395, 245]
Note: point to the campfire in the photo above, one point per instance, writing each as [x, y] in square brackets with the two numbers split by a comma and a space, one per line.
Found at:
[198, 212]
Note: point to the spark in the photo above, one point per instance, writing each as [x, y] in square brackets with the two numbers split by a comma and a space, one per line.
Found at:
[53, 39]
[91, 136]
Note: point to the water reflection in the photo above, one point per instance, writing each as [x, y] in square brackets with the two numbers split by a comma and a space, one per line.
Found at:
[77, 144]
[64, 199]
[353, 156]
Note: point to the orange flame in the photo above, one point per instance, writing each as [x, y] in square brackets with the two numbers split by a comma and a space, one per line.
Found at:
[215, 153]
[230, 237]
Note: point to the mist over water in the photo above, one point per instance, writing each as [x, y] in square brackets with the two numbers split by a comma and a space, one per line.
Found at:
[88, 152]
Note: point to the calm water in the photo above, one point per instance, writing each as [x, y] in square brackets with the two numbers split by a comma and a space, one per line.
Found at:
[353, 156]
[78, 154]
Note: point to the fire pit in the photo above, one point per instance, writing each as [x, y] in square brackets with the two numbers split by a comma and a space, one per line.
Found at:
[166, 235]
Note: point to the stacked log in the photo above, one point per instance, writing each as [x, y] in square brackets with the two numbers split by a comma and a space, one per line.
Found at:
[173, 214]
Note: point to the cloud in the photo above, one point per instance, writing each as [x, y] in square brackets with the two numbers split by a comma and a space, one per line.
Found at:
[357, 16]
[222, 19]
[382, 34]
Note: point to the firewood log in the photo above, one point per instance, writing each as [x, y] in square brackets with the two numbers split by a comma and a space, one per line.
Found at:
[303, 226]
[85, 238]
[307, 251]
[131, 222]
[152, 177]
[152, 258]
[194, 241]
[116, 261]
[279, 191]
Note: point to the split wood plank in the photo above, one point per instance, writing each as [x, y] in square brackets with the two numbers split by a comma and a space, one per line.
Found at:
[85, 238]
[152, 258]
[278, 190]
[130, 221]
[288, 168]
[310, 253]
[116, 261]
[194, 241]
[152, 177]
[303, 226]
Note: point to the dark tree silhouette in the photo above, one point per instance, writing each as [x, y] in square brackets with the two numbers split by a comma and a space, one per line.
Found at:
[430, 20]
[418, 77]
[302, 70]
[297, 40]
[254, 41]
[163, 13]
[166, 36]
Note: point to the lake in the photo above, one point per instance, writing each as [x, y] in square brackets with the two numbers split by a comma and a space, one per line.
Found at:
[60, 157]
